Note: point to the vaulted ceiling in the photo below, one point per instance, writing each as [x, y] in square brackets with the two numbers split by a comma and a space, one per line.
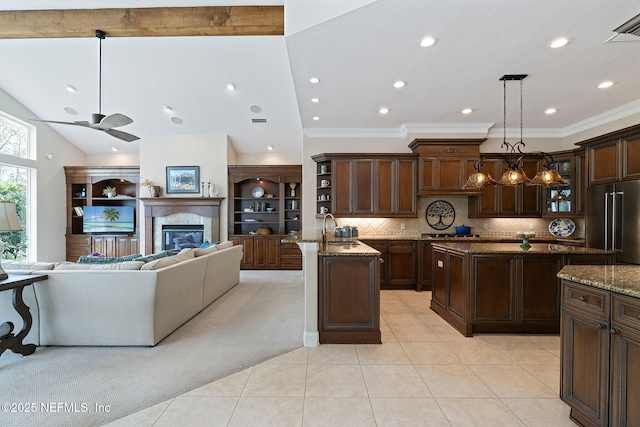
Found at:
[357, 49]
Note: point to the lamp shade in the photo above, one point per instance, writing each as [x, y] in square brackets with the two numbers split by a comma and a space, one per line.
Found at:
[549, 178]
[514, 177]
[9, 217]
[478, 180]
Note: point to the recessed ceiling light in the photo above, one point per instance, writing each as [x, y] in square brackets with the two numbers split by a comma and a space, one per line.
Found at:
[559, 42]
[467, 111]
[114, 148]
[254, 108]
[605, 85]
[177, 120]
[167, 109]
[315, 100]
[384, 110]
[270, 147]
[314, 80]
[316, 118]
[231, 86]
[70, 88]
[428, 41]
[71, 111]
[550, 110]
[399, 84]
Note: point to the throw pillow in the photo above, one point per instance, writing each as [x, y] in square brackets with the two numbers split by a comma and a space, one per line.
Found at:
[184, 255]
[155, 256]
[106, 260]
[205, 245]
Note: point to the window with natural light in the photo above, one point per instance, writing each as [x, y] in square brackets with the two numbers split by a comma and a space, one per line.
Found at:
[15, 180]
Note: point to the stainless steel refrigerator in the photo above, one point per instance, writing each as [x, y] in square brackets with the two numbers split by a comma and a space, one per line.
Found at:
[613, 219]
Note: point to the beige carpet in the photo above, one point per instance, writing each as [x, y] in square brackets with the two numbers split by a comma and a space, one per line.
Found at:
[260, 318]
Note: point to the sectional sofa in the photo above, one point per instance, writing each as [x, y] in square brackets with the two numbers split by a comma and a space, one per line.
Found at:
[122, 304]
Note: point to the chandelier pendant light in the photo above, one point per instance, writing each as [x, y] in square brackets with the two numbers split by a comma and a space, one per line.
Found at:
[514, 154]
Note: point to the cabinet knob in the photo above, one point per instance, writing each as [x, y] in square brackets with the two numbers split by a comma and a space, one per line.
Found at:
[582, 298]
[613, 331]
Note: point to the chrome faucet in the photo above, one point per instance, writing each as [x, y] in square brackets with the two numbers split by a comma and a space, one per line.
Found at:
[324, 226]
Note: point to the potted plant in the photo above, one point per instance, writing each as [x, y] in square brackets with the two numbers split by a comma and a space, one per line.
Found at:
[110, 192]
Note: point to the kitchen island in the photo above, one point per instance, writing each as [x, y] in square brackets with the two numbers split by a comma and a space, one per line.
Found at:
[502, 288]
[600, 344]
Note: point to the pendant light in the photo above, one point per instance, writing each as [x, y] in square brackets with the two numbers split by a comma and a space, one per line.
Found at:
[549, 177]
[478, 179]
[513, 157]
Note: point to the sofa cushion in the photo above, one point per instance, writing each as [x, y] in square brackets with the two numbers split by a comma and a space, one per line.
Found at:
[12, 265]
[224, 245]
[155, 256]
[106, 259]
[183, 255]
[127, 265]
[204, 251]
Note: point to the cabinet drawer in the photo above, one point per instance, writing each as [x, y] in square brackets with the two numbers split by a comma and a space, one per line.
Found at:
[626, 311]
[290, 251]
[79, 240]
[586, 298]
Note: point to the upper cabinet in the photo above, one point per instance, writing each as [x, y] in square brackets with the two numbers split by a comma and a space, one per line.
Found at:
[614, 156]
[366, 185]
[445, 165]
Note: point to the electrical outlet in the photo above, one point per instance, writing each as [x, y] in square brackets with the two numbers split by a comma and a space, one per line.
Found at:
[530, 226]
[485, 226]
[403, 226]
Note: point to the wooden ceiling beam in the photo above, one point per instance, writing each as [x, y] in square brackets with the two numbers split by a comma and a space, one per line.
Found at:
[144, 22]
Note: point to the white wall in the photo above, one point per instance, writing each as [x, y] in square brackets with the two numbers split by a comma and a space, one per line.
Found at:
[209, 152]
[116, 159]
[50, 187]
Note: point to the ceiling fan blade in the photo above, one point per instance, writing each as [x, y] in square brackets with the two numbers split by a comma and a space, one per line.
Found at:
[121, 135]
[85, 124]
[114, 121]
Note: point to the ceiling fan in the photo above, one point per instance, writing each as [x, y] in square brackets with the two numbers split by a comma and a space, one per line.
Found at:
[98, 120]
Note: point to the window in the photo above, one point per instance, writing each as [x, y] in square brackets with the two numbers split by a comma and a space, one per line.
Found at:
[14, 137]
[16, 148]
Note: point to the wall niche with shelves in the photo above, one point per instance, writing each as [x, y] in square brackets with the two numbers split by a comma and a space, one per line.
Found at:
[264, 206]
[85, 188]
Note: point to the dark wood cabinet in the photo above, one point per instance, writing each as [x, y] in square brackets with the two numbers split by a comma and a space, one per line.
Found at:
[349, 300]
[265, 197]
[398, 263]
[600, 351]
[268, 253]
[445, 165]
[519, 293]
[449, 289]
[366, 185]
[424, 266]
[613, 157]
[85, 185]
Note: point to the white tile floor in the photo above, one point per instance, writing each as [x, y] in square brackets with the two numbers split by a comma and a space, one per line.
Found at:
[425, 373]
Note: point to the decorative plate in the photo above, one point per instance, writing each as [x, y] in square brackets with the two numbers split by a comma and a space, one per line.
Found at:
[562, 227]
[257, 192]
[440, 215]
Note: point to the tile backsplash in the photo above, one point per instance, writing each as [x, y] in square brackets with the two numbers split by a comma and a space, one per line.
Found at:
[486, 227]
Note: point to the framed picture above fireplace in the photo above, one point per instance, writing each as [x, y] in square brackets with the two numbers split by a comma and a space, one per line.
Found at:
[183, 179]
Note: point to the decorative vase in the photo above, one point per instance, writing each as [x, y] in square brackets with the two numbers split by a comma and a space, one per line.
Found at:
[213, 190]
[525, 243]
[154, 190]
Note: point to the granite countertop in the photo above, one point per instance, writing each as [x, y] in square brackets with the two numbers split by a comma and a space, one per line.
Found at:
[622, 279]
[356, 249]
[514, 239]
[514, 248]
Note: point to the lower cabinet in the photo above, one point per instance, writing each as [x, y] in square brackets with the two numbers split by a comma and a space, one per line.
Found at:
[109, 245]
[349, 300]
[600, 366]
[398, 265]
[268, 253]
[424, 266]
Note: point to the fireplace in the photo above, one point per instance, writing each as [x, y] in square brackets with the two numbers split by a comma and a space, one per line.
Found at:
[178, 237]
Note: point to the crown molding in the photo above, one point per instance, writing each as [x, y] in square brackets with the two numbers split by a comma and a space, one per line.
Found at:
[410, 131]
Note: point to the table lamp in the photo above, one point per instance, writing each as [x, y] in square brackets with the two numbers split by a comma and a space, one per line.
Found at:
[8, 222]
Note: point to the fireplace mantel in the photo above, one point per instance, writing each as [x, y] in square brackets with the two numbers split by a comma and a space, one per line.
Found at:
[208, 207]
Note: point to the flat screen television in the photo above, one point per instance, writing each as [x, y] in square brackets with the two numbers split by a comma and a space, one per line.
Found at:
[108, 219]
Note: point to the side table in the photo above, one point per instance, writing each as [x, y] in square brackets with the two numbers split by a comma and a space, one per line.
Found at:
[8, 340]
